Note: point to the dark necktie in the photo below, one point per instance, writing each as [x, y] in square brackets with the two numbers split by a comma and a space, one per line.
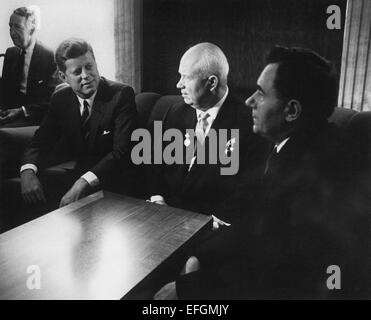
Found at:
[271, 161]
[85, 120]
[20, 68]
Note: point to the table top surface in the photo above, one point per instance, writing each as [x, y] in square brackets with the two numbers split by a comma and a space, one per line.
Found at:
[99, 247]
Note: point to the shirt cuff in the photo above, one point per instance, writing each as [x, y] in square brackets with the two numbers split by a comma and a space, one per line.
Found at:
[28, 166]
[157, 198]
[91, 178]
[25, 112]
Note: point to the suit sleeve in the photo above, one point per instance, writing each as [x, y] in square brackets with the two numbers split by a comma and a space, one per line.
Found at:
[125, 122]
[44, 139]
[6, 80]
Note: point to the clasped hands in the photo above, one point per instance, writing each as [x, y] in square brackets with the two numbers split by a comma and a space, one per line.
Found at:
[33, 193]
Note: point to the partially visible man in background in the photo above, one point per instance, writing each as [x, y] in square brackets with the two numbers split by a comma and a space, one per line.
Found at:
[29, 70]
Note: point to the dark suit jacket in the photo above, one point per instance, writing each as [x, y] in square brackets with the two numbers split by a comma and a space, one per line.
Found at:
[203, 188]
[301, 225]
[41, 82]
[107, 151]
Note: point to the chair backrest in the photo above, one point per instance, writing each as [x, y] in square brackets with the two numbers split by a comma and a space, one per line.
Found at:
[152, 107]
[360, 131]
[342, 117]
[358, 126]
[160, 108]
[145, 102]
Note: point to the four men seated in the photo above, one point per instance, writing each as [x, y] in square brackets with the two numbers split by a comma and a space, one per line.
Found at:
[281, 212]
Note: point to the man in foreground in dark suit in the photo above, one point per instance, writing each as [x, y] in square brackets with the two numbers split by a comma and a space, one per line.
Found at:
[304, 223]
[94, 117]
[208, 106]
[29, 70]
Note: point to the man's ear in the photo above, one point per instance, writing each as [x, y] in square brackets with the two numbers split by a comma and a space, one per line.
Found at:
[292, 110]
[31, 25]
[213, 82]
[62, 76]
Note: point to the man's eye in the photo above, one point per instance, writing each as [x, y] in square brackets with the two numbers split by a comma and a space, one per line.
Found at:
[259, 94]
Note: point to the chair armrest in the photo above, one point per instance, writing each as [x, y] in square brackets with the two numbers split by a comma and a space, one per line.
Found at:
[13, 142]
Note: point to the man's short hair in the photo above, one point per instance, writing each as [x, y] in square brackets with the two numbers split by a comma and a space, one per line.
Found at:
[212, 61]
[28, 12]
[304, 75]
[70, 49]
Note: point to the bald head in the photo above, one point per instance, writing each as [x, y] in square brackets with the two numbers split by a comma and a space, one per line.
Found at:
[207, 59]
[203, 75]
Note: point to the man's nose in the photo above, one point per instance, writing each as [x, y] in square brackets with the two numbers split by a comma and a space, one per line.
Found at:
[179, 85]
[84, 74]
[250, 102]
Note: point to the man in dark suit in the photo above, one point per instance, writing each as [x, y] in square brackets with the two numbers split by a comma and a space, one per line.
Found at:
[193, 185]
[94, 117]
[304, 221]
[29, 70]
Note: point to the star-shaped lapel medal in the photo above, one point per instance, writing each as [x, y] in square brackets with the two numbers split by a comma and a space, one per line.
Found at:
[187, 141]
[229, 147]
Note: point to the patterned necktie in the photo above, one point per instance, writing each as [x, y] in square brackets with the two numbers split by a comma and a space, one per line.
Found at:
[85, 120]
[201, 126]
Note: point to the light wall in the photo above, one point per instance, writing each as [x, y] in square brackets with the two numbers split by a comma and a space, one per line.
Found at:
[92, 20]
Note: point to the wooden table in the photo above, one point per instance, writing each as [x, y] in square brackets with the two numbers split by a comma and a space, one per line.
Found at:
[101, 247]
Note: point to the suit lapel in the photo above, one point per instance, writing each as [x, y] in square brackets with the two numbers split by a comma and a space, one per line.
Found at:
[36, 60]
[73, 119]
[226, 118]
[97, 113]
[12, 82]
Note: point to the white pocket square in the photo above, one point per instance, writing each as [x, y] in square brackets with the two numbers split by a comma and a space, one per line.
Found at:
[105, 132]
[41, 81]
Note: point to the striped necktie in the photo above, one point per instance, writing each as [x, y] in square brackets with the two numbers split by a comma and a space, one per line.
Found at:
[201, 126]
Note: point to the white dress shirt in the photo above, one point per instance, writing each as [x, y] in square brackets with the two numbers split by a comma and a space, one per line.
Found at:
[26, 67]
[279, 146]
[25, 71]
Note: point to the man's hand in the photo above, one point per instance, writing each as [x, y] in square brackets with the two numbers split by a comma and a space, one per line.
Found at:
[157, 199]
[161, 202]
[31, 188]
[10, 115]
[217, 223]
[167, 292]
[79, 190]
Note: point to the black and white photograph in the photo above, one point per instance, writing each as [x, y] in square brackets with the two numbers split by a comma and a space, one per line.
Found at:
[195, 151]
